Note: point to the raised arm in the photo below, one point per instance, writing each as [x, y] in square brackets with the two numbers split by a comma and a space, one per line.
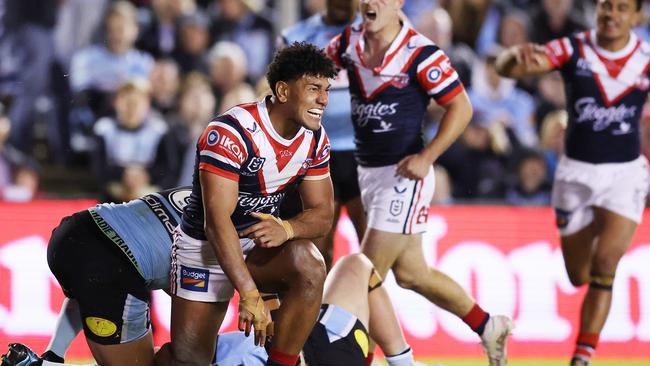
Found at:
[523, 60]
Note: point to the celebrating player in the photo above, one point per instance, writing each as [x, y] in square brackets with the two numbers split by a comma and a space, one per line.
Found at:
[246, 160]
[394, 72]
[601, 183]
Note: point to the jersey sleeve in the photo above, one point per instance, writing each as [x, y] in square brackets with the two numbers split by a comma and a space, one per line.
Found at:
[437, 76]
[320, 166]
[333, 49]
[559, 52]
[222, 150]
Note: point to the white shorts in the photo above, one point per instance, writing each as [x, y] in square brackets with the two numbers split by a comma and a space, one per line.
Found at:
[579, 186]
[196, 274]
[393, 203]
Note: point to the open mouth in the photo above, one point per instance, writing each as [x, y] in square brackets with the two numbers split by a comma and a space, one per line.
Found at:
[315, 112]
[371, 14]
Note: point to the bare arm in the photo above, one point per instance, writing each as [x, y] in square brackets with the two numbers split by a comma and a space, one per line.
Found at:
[523, 60]
[318, 209]
[458, 112]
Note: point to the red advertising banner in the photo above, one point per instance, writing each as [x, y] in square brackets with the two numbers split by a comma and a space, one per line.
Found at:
[508, 258]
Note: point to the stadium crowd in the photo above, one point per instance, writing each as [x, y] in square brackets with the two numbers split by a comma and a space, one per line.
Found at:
[124, 88]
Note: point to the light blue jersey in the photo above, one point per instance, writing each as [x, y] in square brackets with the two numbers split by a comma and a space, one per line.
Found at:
[337, 118]
[143, 230]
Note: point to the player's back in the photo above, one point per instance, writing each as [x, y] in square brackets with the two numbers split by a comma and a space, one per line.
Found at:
[143, 230]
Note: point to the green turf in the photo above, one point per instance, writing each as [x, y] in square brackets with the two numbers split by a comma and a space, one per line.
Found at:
[532, 362]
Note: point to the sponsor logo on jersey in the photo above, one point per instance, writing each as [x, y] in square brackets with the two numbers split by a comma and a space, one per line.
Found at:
[213, 137]
[305, 165]
[100, 327]
[256, 164]
[194, 279]
[154, 203]
[589, 110]
[325, 152]
[642, 83]
[252, 129]
[400, 81]
[258, 203]
[364, 113]
[231, 146]
[434, 74]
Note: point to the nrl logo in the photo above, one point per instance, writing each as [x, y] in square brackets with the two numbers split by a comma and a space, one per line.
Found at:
[396, 207]
[256, 164]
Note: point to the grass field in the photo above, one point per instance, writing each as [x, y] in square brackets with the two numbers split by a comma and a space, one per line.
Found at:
[533, 362]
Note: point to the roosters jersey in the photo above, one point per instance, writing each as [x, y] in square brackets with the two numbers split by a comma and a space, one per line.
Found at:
[337, 118]
[605, 96]
[389, 101]
[242, 145]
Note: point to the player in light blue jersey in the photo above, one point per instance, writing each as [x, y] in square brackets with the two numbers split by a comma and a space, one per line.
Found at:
[107, 259]
[319, 29]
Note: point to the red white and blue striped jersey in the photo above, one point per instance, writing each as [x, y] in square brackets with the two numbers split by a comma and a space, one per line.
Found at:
[242, 145]
[605, 96]
[389, 101]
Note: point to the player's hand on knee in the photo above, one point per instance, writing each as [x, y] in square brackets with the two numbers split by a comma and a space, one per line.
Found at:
[253, 314]
[270, 232]
[414, 167]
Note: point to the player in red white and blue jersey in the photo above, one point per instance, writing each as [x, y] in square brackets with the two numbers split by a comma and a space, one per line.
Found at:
[246, 161]
[319, 30]
[602, 181]
[394, 72]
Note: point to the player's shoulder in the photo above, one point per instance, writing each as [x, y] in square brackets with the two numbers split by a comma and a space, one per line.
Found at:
[244, 118]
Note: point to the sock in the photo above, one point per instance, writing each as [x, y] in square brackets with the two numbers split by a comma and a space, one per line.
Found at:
[279, 358]
[67, 327]
[585, 346]
[476, 319]
[405, 358]
[371, 355]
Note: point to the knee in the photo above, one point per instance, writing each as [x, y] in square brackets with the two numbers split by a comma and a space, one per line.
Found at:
[578, 278]
[309, 265]
[406, 280]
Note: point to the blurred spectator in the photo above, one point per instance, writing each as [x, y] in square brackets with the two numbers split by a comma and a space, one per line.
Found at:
[239, 22]
[513, 29]
[550, 95]
[554, 19]
[158, 35]
[242, 93]
[500, 101]
[193, 42]
[196, 108]
[134, 152]
[530, 187]
[26, 58]
[414, 8]
[97, 71]
[165, 82]
[436, 25]
[77, 25]
[227, 63]
[467, 17]
[18, 172]
[552, 139]
[476, 162]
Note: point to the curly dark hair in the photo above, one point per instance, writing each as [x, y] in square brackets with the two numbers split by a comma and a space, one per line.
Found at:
[298, 60]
